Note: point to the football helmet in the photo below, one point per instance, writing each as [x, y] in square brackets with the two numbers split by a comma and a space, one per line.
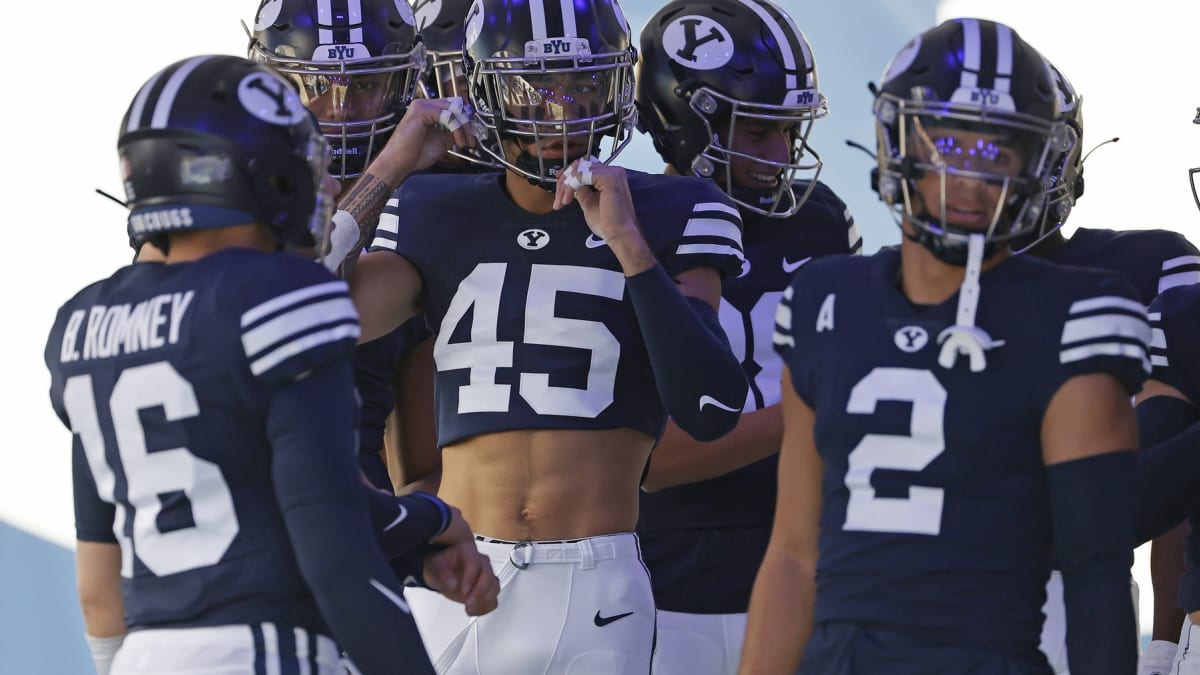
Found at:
[1066, 180]
[1192, 172]
[558, 80]
[977, 79]
[440, 24]
[707, 66]
[215, 141]
[356, 64]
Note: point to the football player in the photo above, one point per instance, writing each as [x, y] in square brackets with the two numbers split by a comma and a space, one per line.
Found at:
[220, 516]
[728, 90]
[357, 66]
[1167, 409]
[954, 415]
[575, 307]
[1153, 261]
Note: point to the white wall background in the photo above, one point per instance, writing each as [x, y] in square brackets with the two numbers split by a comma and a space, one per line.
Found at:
[74, 70]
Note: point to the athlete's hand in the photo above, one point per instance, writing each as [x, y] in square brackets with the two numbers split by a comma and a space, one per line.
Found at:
[463, 574]
[460, 572]
[428, 129]
[603, 193]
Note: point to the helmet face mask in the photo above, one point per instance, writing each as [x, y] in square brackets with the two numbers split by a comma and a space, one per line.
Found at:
[717, 158]
[357, 71]
[943, 115]
[1192, 173]
[557, 99]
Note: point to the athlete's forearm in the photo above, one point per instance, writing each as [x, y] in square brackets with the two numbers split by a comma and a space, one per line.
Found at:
[780, 620]
[678, 459]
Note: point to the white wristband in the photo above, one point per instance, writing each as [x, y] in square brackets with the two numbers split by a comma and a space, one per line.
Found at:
[103, 650]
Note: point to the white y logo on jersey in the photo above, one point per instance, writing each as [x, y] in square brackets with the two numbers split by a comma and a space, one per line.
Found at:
[533, 239]
[911, 339]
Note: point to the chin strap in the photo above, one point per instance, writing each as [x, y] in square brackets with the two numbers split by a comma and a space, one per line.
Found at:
[964, 337]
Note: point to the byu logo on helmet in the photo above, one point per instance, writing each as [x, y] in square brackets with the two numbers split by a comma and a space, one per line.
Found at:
[406, 12]
[533, 239]
[474, 24]
[267, 14]
[698, 42]
[270, 99]
[911, 339]
[426, 11]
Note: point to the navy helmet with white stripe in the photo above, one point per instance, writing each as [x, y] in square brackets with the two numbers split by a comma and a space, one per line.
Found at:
[707, 65]
[216, 141]
[980, 76]
[356, 64]
[557, 74]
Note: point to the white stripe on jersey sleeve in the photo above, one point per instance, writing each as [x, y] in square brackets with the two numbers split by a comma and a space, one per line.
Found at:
[270, 652]
[1111, 333]
[1106, 302]
[299, 320]
[1178, 279]
[1105, 349]
[1180, 261]
[718, 249]
[303, 344]
[717, 206]
[783, 321]
[295, 297]
[1158, 339]
[1104, 325]
[712, 227]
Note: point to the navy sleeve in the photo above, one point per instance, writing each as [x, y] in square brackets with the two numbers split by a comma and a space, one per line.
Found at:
[1106, 331]
[711, 234]
[311, 426]
[94, 517]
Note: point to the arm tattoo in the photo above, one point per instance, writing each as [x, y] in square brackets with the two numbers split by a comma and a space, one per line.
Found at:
[364, 201]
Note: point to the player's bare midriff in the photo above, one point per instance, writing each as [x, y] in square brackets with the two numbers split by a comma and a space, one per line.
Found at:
[547, 484]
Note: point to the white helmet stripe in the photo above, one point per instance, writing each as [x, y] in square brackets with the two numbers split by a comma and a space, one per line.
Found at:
[568, 18]
[1004, 59]
[789, 58]
[803, 42]
[972, 54]
[356, 19]
[166, 99]
[537, 17]
[139, 103]
[324, 18]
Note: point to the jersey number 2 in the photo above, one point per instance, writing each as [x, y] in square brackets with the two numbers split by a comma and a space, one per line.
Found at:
[151, 474]
[921, 511]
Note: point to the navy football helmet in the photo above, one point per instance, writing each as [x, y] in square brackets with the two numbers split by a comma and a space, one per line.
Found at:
[562, 80]
[709, 65]
[215, 141]
[356, 64]
[981, 77]
[441, 26]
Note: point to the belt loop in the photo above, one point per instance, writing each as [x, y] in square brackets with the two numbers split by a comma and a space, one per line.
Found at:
[587, 556]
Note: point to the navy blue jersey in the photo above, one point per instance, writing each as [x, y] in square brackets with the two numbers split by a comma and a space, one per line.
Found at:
[1175, 317]
[374, 365]
[165, 374]
[1152, 260]
[685, 531]
[534, 327]
[935, 517]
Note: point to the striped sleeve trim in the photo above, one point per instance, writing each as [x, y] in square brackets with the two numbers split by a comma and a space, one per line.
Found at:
[387, 231]
[1158, 342]
[852, 235]
[713, 228]
[783, 321]
[297, 322]
[1106, 326]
